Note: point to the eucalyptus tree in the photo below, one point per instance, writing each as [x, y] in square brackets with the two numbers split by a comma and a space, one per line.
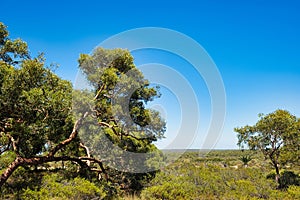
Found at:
[35, 104]
[274, 134]
[124, 124]
[40, 119]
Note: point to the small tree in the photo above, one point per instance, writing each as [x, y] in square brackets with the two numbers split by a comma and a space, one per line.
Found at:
[271, 135]
[245, 159]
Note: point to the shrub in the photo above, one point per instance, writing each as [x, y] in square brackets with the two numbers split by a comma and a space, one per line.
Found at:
[54, 188]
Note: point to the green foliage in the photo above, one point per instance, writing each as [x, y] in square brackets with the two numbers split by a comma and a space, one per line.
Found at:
[288, 178]
[293, 192]
[36, 116]
[35, 105]
[268, 133]
[6, 158]
[194, 178]
[34, 102]
[53, 187]
[38, 124]
[123, 123]
[245, 159]
[10, 50]
[291, 150]
[275, 135]
[121, 93]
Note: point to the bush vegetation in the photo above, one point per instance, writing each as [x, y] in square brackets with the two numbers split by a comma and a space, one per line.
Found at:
[194, 177]
[47, 153]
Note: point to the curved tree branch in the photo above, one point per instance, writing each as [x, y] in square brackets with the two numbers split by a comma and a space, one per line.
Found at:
[72, 136]
[21, 161]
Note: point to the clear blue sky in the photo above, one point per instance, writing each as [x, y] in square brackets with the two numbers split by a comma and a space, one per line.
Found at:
[255, 44]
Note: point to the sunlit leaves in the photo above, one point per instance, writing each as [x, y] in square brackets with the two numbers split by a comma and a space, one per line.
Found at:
[35, 103]
[11, 50]
[270, 133]
[276, 135]
[121, 92]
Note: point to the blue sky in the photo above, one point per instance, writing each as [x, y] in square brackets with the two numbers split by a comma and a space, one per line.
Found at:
[255, 45]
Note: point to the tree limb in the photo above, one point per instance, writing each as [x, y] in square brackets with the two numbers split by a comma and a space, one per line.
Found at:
[72, 136]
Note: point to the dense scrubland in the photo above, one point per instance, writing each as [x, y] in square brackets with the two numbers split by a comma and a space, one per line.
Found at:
[223, 174]
[219, 174]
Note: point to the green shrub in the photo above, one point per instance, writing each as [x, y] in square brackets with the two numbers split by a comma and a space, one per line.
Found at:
[54, 188]
[294, 191]
[192, 179]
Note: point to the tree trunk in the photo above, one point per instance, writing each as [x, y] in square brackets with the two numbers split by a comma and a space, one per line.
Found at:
[277, 176]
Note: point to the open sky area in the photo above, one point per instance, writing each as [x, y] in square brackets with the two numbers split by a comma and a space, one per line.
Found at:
[254, 44]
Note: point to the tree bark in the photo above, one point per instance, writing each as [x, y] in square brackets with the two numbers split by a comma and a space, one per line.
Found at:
[275, 164]
[277, 176]
[11, 168]
[72, 136]
[20, 161]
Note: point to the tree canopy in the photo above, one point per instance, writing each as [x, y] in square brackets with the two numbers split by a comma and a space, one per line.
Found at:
[42, 115]
[35, 106]
[275, 134]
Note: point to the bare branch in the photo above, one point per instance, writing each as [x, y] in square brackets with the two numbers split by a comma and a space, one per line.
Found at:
[87, 151]
[100, 90]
